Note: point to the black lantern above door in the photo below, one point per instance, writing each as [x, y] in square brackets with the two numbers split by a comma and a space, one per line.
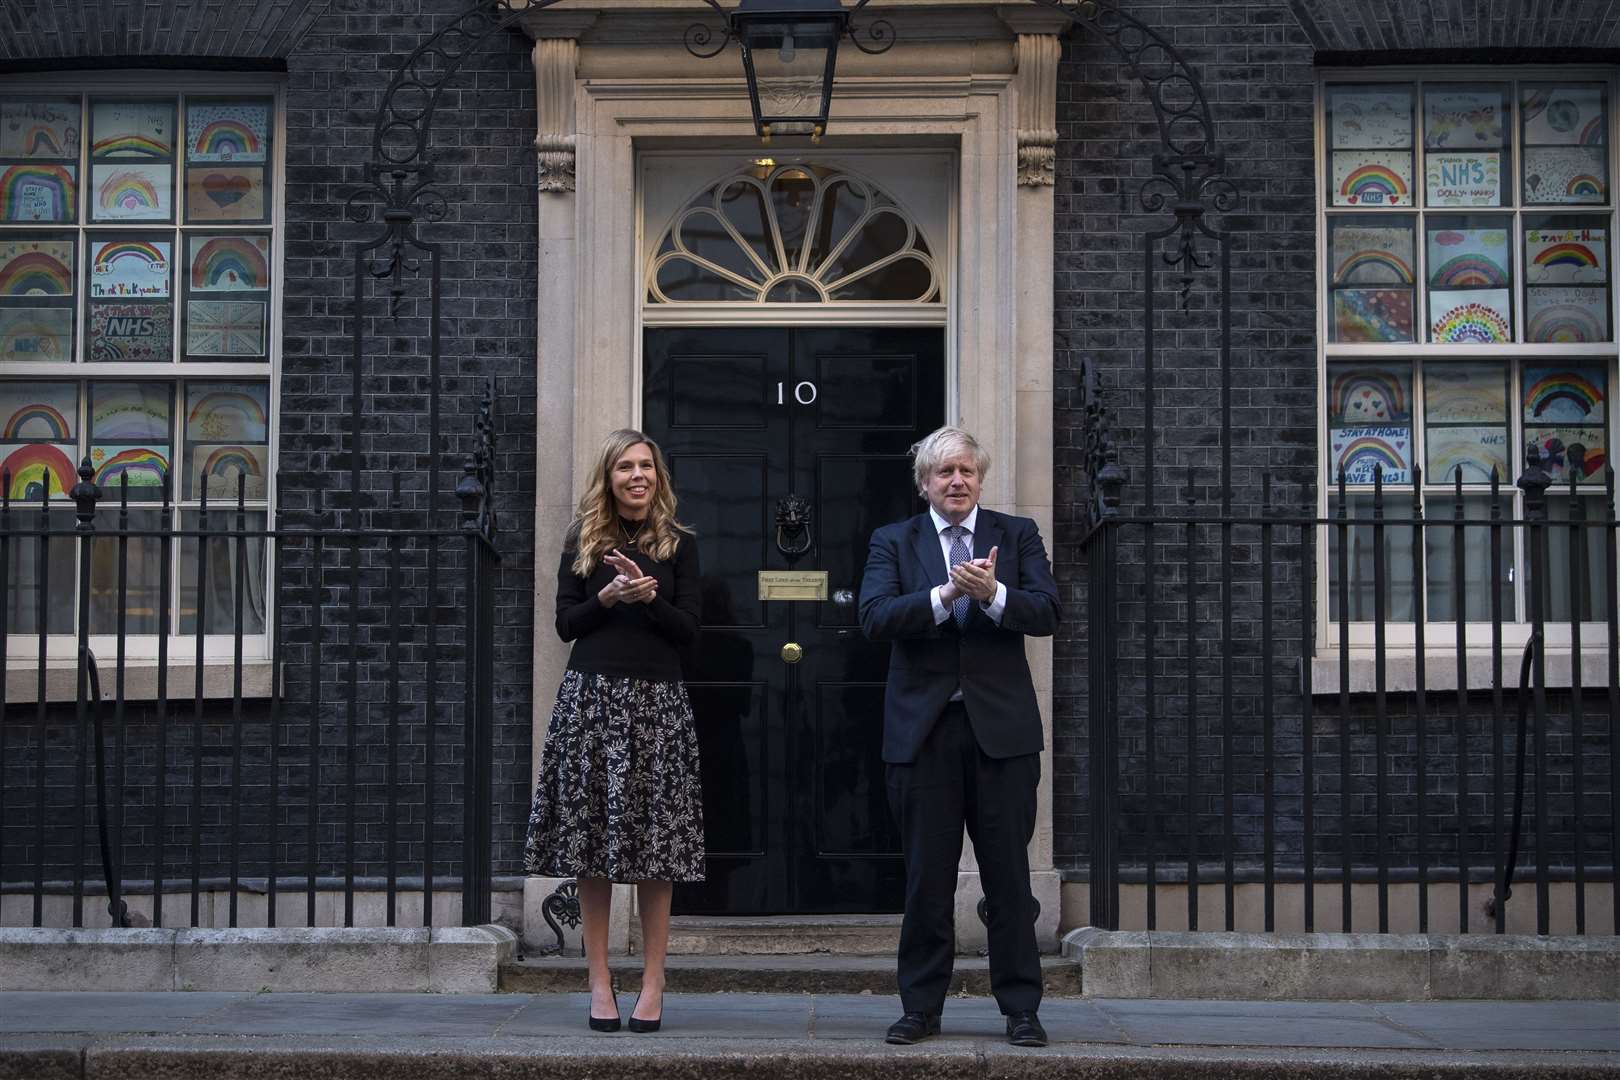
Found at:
[789, 53]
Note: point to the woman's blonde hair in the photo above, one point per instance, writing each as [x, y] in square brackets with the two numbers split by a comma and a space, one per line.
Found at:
[595, 530]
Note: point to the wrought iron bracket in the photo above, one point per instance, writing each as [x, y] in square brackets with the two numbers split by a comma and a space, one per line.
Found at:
[560, 909]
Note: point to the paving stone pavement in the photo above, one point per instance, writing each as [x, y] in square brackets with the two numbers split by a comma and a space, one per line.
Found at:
[1588, 1026]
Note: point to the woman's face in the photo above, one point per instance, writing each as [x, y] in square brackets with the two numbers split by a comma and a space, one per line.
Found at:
[633, 481]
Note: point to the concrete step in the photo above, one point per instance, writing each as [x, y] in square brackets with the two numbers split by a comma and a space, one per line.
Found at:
[779, 935]
[818, 974]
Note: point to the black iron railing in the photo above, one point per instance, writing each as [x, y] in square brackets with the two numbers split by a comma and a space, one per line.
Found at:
[364, 765]
[1215, 761]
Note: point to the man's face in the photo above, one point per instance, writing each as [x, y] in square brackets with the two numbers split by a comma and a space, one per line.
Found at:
[953, 487]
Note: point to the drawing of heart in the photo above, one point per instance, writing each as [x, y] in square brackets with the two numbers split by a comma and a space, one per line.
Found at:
[225, 189]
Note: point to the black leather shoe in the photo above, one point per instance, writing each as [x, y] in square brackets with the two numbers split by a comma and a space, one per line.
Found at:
[598, 1023]
[643, 1027]
[912, 1028]
[1024, 1029]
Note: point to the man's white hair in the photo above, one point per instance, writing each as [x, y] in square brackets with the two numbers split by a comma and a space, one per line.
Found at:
[940, 446]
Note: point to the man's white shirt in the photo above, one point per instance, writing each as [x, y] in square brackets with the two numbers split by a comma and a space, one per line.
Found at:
[942, 611]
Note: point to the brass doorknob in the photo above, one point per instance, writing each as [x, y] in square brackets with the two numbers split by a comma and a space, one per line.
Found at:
[792, 652]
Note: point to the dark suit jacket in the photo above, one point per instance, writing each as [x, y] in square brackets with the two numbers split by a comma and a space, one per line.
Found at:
[927, 661]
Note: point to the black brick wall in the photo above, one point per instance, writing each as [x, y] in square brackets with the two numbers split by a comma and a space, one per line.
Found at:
[340, 56]
[1256, 63]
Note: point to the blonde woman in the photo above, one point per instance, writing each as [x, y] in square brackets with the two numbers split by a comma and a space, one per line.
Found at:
[618, 797]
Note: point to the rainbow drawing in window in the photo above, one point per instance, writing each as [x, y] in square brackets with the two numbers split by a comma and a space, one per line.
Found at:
[1372, 179]
[37, 470]
[129, 268]
[227, 131]
[1476, 317]
[132, 192]
[230, 263]
[144, 466]
[1468, 258]
[1566, 256]
[36, 267]
[225, 412]
[219, 467]
[136, 129]
[1563, 395]
[35, 333]
[1368, 396]
[37, 192]
[1566, 316]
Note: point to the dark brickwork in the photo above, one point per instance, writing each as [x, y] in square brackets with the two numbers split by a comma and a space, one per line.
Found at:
[78, 29]
[338, 67]
[1256, 63]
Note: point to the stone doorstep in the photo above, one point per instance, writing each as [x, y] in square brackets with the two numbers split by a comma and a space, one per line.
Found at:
[778, 935]
[819, 974]
[1344, 967]
[455, 959]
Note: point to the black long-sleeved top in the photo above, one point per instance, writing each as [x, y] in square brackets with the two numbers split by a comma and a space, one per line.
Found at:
[640, 640]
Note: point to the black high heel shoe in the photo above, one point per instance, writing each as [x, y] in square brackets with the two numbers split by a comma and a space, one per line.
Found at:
[644, 1027]
[609, 1023]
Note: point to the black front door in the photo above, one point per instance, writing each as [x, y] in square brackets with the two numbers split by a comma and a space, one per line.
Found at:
[794, 801]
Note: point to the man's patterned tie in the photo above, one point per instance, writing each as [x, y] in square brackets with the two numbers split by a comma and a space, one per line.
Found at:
[960, 553]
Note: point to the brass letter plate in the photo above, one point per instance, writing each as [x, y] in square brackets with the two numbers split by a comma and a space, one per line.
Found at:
[793, 584]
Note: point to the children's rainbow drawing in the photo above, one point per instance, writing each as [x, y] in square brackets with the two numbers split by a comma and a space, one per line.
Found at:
[1369, 396]
[1567, 255]
[37, 421]
[42, 141]
[1376, 185]
[1471, 323]
[1585, 188]
[35, 192]
[131, 193]
[108, 256]
[35, 333]
[1374, 266]
[144, 466]
[227, 263]
[225, 414]
[1359, 450]
[1562, 395]
[1372, 315]
[217, 467]
[37, 470]
[1469, 270]
[232, 131]
[37, 273]
[1564, 324]
[225, 140]
[129, 268]
[129, 144]
[1475, 450]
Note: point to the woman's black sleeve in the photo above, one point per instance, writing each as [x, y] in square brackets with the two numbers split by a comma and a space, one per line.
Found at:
[677, 619]
[578, 609]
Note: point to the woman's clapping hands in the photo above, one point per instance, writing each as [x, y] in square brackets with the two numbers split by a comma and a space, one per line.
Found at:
[629, 584]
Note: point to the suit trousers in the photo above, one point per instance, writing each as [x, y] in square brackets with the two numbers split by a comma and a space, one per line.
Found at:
[952, 784]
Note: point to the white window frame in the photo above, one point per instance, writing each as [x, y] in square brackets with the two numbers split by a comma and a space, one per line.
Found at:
[1440, 637]
[141, 650]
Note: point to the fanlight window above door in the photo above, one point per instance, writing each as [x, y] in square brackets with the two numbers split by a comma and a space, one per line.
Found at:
[793, 234]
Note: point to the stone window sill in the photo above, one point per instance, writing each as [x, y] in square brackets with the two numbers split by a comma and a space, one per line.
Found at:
[140, 681]
[1440, 669]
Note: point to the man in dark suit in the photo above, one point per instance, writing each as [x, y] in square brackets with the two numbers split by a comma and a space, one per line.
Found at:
[955, 590]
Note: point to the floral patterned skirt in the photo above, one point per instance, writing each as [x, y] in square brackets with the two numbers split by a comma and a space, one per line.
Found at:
[618, 796]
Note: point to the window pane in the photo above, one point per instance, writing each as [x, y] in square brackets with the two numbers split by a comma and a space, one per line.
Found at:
[227, 161]
[1370, 268]
[39, 159]
[1370, 145]
[229, 567]
[1566, 279]
[1440, 555]
[26, 564]
[1566, 158]
[227, 436]
[130, 432]
[36, 296]
[1470, 279]
[1581, 547]
[1566, 419]
[131, 307]
[1465, 144]
[1370, 421]
[1465, 408]
[1358, 589]
[143, 579]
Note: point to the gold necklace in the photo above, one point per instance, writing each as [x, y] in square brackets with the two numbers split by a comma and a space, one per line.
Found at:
[629, 537]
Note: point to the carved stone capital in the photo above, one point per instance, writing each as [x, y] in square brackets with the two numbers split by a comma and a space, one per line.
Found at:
[555, 62]
[1037, 107]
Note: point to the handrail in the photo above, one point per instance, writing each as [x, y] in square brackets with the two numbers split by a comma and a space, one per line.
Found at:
[115, 904]
[1508, 868]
